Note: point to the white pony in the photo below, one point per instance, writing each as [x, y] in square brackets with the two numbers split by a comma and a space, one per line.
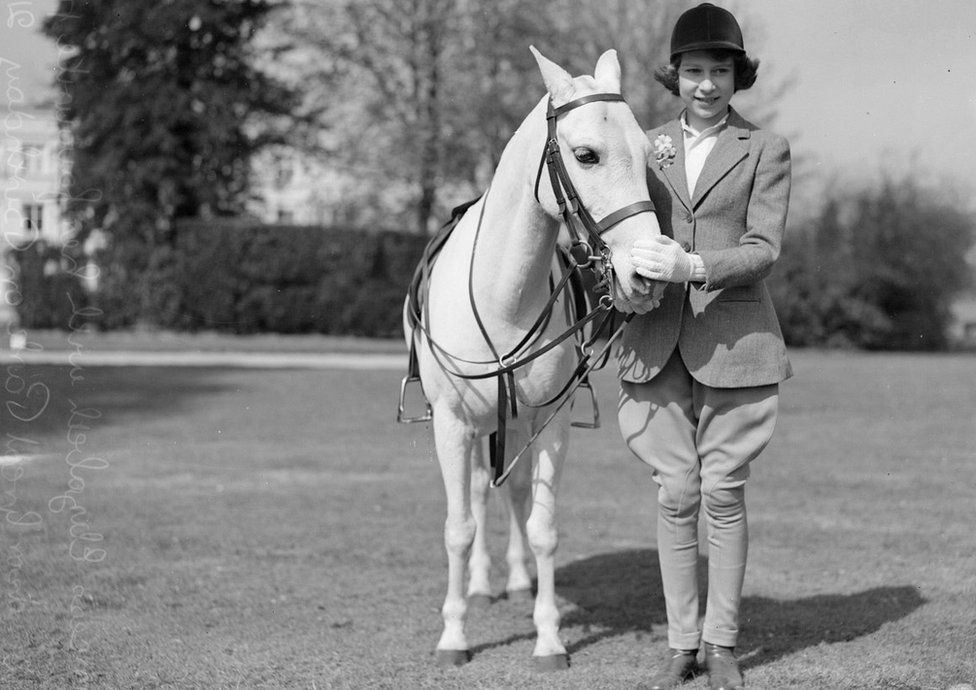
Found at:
[500, 257]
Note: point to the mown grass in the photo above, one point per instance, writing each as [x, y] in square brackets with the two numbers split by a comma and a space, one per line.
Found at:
[278, 529]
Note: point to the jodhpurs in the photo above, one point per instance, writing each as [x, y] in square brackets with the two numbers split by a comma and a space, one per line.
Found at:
[699, 441]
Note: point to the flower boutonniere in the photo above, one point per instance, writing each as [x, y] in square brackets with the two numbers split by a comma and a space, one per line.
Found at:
[664, 151]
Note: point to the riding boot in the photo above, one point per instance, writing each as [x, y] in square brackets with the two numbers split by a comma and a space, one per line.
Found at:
[680, 665]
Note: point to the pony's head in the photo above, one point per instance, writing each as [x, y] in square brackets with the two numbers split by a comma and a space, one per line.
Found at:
[604, 149]
[605, 154]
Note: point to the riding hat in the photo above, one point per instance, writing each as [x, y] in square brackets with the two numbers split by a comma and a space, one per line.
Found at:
[706, 27]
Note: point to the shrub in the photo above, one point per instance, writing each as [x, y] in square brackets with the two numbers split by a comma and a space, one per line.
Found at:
[51, 290]
[248, 278]
[877, 269]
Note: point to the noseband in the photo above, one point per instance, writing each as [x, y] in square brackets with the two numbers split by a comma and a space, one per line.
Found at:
[570, 205]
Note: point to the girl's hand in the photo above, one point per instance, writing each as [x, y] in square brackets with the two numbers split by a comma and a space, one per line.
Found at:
[661, 258]
[632, 293]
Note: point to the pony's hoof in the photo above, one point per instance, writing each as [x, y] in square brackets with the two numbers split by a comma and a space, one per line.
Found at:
[520, 596]
[479, 602]
[452, 657]
[552, 662]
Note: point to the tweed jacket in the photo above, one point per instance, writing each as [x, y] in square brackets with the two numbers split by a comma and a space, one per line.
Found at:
[726, 330]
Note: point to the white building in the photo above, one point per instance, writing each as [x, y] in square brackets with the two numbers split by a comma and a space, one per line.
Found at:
[32, 166]
[294, 187]
[31, 170]
[290, 188]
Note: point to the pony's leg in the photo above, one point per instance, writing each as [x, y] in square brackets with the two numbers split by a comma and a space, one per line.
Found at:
[549, 653]
[516, 493]
[479, 564]
[454, 448]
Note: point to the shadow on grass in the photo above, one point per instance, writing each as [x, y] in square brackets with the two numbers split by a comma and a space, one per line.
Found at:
[621, 593]
[773, 629]
[40, 400]
[616, 593]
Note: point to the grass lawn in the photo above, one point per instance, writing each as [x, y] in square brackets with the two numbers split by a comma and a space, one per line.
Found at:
[201, 528]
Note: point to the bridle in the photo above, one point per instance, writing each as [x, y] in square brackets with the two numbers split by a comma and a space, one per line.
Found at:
[568, 200]
[588, 250]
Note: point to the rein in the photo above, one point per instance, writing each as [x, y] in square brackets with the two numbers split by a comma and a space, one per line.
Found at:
[583, 369]
[582, 254]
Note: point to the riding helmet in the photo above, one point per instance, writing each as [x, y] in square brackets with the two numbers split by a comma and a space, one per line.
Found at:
[706, 27]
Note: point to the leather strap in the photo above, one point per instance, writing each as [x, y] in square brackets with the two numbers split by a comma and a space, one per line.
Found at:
[624, 213]
[583, 100]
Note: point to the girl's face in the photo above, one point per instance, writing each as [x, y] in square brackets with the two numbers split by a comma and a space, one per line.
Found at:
[706, 86]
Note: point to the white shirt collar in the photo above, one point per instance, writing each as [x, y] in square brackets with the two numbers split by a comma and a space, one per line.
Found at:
[688, 129]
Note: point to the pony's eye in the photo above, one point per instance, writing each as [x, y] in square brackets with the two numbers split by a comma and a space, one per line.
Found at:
[586, 156]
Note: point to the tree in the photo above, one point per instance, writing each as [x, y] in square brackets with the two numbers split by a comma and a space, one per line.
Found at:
[911, 243]
[374, 69]
[878, 269]
[164, 107]
[422, 95]
[419, 97]
[640, 31]
[574, 33]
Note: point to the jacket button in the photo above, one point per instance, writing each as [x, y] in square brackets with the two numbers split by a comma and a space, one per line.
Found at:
[686, 246]
[688, 218]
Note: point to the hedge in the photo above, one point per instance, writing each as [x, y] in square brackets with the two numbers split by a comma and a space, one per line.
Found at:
[250, 278]
[286, 279]
[46, 291]
[245, 278]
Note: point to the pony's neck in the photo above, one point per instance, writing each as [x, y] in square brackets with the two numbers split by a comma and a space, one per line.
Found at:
[517, 237]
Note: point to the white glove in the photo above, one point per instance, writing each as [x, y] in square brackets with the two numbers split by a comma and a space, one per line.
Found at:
[632, 293]
[661, 258]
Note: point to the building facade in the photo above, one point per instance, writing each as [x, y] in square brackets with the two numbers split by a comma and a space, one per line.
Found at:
[293, 187]
[32, 166]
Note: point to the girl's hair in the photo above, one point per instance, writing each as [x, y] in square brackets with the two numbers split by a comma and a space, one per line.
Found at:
[744, 70]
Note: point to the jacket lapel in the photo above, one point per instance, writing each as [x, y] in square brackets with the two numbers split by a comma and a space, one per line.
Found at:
[731, 147]
[675, 173]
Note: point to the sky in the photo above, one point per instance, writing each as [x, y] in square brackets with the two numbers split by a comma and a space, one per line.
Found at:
[27, 59]
[872, 84]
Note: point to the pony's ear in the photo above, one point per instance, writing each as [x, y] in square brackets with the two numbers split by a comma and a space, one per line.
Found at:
[559, 82]
[607, 72]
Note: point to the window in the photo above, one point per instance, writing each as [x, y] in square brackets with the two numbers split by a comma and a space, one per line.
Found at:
[33, 217]
[30, 158]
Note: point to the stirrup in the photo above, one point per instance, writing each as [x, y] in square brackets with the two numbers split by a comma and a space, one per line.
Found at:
[401, 419]
[595, 424]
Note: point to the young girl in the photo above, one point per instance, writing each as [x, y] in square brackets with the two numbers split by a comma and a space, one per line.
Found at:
[700, 374]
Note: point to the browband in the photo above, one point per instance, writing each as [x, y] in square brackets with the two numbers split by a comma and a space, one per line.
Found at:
[583, 100]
